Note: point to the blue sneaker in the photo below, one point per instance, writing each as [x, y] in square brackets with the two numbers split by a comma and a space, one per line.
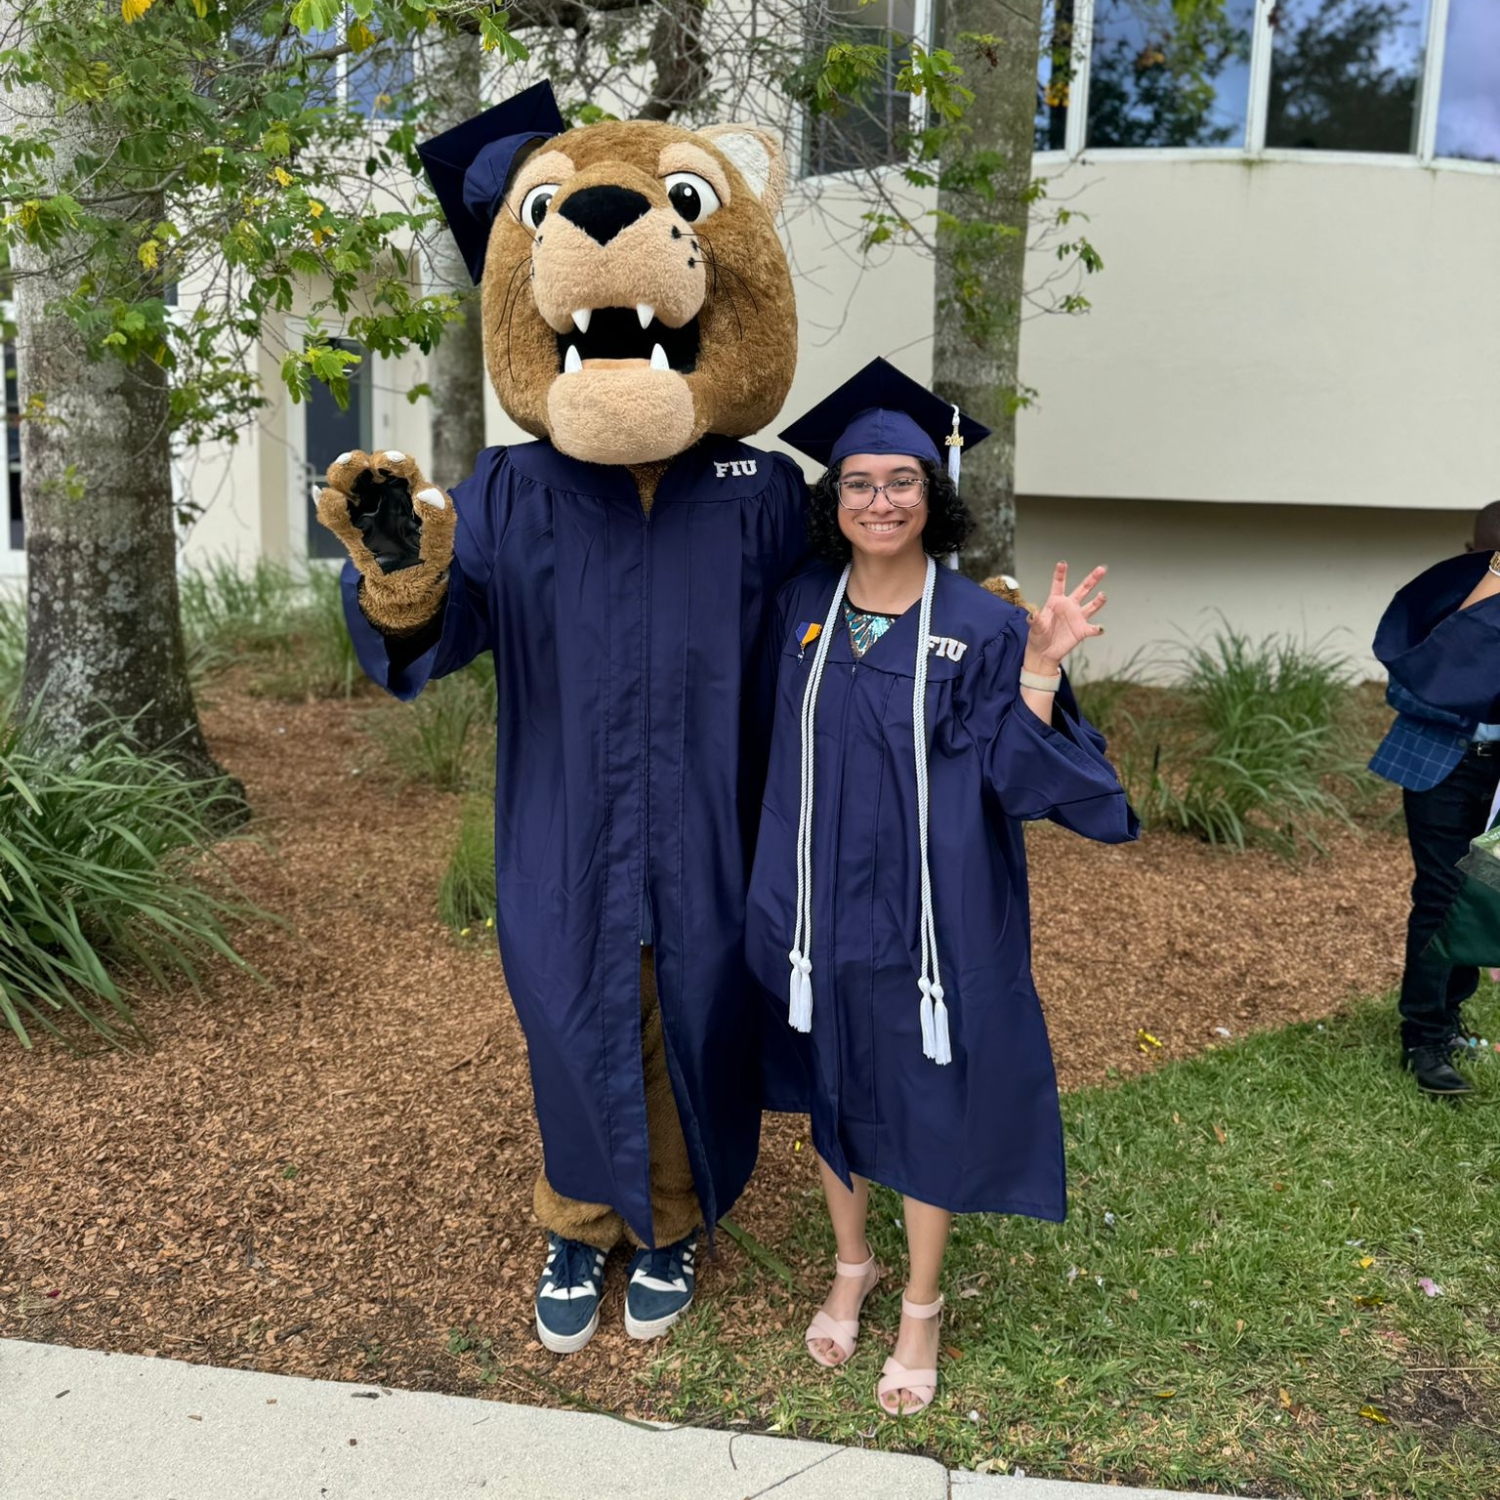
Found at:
[567, 1299]
[660, 1289]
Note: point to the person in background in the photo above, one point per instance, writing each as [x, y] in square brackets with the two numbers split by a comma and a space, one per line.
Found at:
[919, 721]
[1440, 641]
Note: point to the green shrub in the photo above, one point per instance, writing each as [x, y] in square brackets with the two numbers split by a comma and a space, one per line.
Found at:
[289, 624]
[227, 607]
[1103, 700]
[312, 654]
[12, 643]
[1257, 756]
[105, 862]
[443, 739]
[466, 897]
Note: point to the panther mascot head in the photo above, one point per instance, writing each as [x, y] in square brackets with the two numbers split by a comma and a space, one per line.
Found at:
[635, 293]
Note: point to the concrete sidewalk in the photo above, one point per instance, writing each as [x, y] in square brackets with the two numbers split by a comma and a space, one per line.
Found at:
[80, 1425]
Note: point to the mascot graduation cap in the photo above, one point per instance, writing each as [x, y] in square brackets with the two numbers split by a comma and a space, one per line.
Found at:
[639, 321]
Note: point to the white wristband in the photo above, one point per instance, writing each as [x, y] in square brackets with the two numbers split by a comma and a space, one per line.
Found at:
[1039, 683]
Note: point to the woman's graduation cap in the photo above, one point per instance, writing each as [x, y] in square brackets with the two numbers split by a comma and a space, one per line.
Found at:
[880, 410]
[470, 165]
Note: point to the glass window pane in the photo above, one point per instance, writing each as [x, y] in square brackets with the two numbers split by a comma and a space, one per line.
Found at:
[1344, 74]
[1054, 76]
[1469, 105]
[870, 131]
[1160, 78]
[377, 78]
[17, 533]
[329, 432]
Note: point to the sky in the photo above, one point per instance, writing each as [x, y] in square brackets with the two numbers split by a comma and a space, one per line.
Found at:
[1469, 105]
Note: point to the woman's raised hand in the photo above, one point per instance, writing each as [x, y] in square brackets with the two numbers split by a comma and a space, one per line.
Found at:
[1066, 618]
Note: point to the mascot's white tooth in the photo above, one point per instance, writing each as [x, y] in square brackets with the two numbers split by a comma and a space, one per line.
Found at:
[392, 456]
[343, 458]
[572, 360]
[659, 358]
[645, 312]
[581, 316]
[432, 497]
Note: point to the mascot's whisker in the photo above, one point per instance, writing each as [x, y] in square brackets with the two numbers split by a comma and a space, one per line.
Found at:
[728, 295]
[508, 309]
[510, 293]
[730, 271]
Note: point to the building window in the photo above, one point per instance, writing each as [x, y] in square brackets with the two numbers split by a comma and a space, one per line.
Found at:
[327, 432]
[871, 131]
[1345, 74]
[374, 79]
[17, 531]
[365, 81]
[1468, 123]
[1158, 77]
[1349, 76]
[1054, 79]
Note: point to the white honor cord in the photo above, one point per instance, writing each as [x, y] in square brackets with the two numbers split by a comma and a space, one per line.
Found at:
[934, 1013]
[800, 1000]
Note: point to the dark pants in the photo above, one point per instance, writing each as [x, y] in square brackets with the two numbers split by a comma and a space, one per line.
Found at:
[1439, 825]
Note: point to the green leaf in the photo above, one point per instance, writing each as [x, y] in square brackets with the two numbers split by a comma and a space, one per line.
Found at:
[315, 15]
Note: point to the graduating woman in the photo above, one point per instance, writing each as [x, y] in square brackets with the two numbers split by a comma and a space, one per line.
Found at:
[919, 721]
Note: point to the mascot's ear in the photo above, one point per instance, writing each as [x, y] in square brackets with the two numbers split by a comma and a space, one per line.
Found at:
[758, 156]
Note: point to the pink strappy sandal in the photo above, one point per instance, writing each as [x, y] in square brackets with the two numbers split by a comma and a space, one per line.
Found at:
[894, 1376]
[843, 1336]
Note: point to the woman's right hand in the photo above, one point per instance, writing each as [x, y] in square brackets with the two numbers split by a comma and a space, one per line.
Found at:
[1064, 622]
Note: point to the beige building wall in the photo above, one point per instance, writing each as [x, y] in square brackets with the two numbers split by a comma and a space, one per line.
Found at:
[1179, 570]
[1281, 404]
[1312, 332]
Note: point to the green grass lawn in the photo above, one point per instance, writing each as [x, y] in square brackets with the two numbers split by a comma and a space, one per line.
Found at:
[1234, 1303]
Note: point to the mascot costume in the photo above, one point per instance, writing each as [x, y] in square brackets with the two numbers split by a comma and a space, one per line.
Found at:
[639, 321]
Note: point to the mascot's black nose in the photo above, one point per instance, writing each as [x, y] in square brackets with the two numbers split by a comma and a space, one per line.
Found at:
[602, 212]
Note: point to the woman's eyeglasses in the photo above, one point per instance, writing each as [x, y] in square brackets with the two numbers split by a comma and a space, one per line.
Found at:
[859, 494]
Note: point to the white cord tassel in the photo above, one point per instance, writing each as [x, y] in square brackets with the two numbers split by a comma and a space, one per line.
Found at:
[955, 441]
[800, 992]
[934, 1013]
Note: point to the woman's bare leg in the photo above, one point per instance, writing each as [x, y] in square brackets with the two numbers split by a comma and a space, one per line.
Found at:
[848, 1210]
[919, 1340]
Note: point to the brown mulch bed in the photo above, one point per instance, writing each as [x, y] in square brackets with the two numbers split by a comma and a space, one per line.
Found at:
[326, 1174]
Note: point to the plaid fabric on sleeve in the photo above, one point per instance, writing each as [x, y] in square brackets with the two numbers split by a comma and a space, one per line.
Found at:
[1417, 755]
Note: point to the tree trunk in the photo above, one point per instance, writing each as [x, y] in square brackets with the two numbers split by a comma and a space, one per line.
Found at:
[448, 75]
[103, 638]
[981, 280]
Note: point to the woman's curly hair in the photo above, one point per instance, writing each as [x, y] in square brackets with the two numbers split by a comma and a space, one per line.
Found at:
[949, 524]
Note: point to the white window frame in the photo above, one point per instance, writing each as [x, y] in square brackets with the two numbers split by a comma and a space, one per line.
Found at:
[1429, 98]
[299, 481]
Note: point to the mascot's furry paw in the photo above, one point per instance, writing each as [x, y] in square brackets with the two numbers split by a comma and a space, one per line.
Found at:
[1009, 590]
[399, 532]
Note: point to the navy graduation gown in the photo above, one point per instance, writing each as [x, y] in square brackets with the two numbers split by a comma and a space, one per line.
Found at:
[626, 782]
[1449, 657]
[983, 1133]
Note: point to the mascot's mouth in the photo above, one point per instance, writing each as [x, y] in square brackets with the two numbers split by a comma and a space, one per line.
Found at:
[620, 334]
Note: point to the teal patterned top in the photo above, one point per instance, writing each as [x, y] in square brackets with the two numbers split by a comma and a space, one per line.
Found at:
[866, 626]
